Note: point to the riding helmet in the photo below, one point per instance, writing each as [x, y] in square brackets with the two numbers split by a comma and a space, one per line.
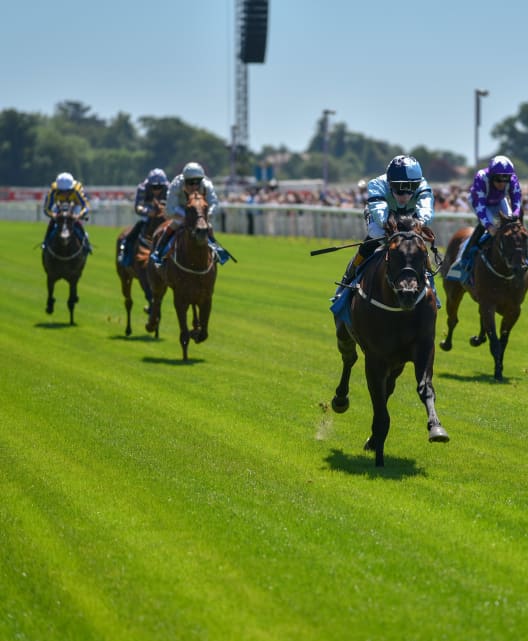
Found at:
[404, 168]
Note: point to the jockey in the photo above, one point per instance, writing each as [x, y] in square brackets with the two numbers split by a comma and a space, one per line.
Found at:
[65, 189]
[192, 179]
[150, 194]
[401, 191]
[495, 191]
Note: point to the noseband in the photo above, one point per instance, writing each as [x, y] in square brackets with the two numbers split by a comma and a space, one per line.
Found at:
[407, 270]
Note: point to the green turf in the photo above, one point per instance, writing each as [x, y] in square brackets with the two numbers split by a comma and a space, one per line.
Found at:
[144, 499]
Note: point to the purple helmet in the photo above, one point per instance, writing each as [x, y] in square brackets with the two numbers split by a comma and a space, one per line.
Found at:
[500, 165]
[157, 177]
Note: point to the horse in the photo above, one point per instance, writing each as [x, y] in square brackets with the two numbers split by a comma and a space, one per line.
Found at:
[64, 256]
[190, 270]
[498, 284]
[138, 269]
[393, 317]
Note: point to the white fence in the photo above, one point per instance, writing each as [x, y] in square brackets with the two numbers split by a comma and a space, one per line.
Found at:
[260, 220]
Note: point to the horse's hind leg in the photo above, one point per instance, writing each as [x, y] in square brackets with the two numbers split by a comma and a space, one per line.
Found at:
[348, 349]
[454, 293]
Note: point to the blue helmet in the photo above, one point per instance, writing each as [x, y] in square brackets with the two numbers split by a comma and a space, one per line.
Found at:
[157, 177]
[501, 165]
[404, 169]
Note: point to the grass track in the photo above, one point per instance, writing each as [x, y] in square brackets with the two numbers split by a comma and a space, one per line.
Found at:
[220, 500]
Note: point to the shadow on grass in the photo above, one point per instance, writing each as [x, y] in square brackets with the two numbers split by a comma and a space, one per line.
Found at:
[363, 465]
[478, 378]
[144, 338]
[54, 325]
[172, 361]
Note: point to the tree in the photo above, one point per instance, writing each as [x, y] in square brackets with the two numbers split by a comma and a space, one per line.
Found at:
[17, 140]
[512, 134]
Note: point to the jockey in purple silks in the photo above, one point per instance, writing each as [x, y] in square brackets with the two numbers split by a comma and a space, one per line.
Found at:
[495, 191]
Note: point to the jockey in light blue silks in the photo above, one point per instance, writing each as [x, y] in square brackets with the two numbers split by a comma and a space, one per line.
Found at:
[402, 191]
[495, 191]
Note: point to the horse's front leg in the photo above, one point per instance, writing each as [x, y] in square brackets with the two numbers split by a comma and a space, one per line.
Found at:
[201, 321]
[487, 318]
[477, 340]
[126, 290]
[508, 321]
[348, 349]
[72, 298]
[145, 286]
[185, 335]
[423, 370]
[158, 288]
[50, 303]
[377, 378]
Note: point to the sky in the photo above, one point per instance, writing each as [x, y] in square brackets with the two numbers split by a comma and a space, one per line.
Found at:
[400, 72]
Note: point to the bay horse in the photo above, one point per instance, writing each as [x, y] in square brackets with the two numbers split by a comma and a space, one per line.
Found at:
[138, 269]
[64, 257]
[190, 270]
[393, 318]
[498, 284]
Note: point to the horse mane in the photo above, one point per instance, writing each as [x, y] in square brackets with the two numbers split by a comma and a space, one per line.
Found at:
[198, 202]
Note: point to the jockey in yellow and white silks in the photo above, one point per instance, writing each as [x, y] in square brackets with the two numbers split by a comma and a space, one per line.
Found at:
[65, 189]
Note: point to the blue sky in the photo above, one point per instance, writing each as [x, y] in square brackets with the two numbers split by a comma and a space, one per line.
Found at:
[401, 72]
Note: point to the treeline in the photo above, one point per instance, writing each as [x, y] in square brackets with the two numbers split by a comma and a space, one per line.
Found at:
[35, 147]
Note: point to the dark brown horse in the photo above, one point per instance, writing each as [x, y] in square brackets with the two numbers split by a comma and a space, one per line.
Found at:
[498, 284]
[393, 317]
[190, 270]
[138, 269]
[64, 257]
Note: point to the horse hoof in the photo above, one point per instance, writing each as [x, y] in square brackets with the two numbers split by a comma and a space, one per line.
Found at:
[437, 434]
[151, 326]
[446, 346]
[340, 404]
[475, 341]
[369, 445]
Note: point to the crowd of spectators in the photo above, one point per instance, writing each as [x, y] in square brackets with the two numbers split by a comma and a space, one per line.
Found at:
[452, 197]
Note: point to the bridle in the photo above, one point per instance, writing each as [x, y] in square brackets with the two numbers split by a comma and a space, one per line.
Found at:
[406, 235]
[70, 256]
[502, 252]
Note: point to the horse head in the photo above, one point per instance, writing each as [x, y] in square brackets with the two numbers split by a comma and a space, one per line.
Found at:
[197, 218]
[511, 243]
[406, 267]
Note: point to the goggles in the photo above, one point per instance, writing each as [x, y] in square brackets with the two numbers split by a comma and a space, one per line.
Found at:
[193, 181]
[401, 187]
[501, 178]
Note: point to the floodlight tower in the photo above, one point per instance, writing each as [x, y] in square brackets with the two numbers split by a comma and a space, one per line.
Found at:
[251, 26]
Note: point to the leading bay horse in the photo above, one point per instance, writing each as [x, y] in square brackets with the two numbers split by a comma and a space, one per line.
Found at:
[393, 318]
[138, 269]
[64, 257]
[498, 284]
[190, 270]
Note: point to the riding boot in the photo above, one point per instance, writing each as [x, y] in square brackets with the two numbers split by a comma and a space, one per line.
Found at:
[162, 247]
[220, 254]
[125, 248]
[47, 236]
[466, 259]
[349, 274]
